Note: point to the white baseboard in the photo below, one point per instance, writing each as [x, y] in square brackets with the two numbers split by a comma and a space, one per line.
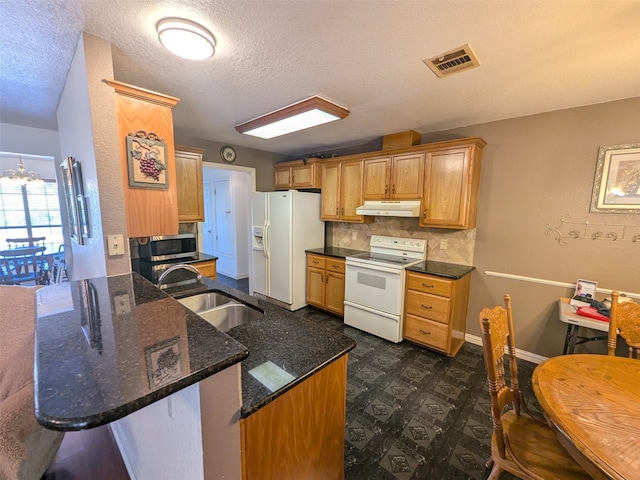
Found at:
[523, 354]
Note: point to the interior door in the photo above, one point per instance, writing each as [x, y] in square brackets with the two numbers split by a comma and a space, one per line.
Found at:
[224, 232]
[207, 225]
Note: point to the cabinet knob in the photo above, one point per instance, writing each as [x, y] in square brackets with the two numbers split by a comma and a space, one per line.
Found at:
[335, 265]
[428, 307]
[424, 213]
[336, 210]
[428, 285]
[326, 279]
[393, 190]
[315, 261]
[342, 210]
[426, 333]
[386, 189]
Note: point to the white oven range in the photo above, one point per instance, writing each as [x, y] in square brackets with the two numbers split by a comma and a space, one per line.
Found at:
[374, 285]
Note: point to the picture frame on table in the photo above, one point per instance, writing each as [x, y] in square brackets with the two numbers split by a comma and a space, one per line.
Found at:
[616, 188]
[585, 292]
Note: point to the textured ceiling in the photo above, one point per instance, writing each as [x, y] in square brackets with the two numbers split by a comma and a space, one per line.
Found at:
[536, 56]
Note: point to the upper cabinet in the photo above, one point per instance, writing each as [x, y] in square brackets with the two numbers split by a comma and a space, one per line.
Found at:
[451, 180]
[298, 174]
[342, 191]
[396, 177]
[189, 184]
[145, 119]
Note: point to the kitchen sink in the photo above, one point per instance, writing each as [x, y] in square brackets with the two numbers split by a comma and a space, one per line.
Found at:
[202, 302]
[220, 310]
[230, 315]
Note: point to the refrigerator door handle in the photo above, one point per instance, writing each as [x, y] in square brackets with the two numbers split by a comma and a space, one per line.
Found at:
[265, 239]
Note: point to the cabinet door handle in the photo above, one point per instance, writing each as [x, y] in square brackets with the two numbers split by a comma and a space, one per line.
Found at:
[426, 333]
[343, 211]
[393, 190]
[424, 213]
[336, 210]
[428, 307]
[315, 261]
[428, 285]
[386, 189]
[326, 279]
[335, 265]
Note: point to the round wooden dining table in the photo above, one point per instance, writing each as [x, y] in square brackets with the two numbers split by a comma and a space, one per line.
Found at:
[593, 402]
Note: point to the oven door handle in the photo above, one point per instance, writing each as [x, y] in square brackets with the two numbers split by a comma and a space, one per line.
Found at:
[380, 313]
[373, 268]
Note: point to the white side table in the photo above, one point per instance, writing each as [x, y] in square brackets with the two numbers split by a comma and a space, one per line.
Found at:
[569, 316]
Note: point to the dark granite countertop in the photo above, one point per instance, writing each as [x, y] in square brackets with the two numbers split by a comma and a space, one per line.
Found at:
[107, 347]
[441, 269]
[335, 251]
[93, 370]
[280, 342]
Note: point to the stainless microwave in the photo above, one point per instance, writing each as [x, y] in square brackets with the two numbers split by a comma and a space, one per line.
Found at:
[169, 247]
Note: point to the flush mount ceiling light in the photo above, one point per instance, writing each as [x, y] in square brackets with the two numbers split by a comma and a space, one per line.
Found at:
[186, 39]
[298, 116]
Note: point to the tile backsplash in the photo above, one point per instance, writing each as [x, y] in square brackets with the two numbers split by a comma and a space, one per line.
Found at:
[460, 244]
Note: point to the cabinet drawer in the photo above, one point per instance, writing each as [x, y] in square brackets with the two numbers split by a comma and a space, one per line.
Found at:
[428, 306]
[429, 284]
[335, 265]
[426, 332]
[316, 261]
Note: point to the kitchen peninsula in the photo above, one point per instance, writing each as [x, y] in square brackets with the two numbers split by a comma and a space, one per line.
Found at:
[107, 347]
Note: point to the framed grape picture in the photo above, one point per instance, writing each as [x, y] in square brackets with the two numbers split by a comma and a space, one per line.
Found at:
[147, 160]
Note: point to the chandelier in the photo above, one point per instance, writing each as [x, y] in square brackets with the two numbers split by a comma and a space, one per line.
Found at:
[20, 175]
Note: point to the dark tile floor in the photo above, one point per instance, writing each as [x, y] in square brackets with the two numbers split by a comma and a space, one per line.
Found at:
[411, 414]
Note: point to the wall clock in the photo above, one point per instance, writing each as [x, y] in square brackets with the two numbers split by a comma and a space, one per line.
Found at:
[228, 154]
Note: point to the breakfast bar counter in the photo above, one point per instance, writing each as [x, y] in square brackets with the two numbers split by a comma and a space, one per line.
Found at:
[107, 347]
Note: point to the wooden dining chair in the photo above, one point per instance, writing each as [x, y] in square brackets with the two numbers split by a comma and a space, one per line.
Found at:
[624, 321]
[521, 444]
[26, 265]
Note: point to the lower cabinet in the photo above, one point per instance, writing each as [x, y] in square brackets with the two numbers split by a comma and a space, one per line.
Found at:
[300, 434]
[436, 311]
[325, 282]
[207, 268]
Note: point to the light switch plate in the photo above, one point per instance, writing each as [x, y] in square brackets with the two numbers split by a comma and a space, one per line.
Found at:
[122, 304]
[115, 244]
[444, 244]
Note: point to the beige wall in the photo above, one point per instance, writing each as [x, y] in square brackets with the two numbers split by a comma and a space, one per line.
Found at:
[87, 131]
[535, 170]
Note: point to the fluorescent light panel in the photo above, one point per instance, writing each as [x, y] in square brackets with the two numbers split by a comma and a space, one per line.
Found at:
[307, 113]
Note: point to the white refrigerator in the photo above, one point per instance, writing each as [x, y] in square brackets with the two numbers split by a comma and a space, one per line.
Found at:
[284, 225]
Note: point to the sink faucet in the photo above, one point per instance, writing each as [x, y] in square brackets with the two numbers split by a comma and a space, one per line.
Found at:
[178, 266]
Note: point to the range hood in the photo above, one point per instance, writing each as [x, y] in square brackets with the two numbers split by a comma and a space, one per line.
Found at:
[390, 208]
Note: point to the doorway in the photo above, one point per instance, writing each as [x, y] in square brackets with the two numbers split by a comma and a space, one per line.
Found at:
[225, 233]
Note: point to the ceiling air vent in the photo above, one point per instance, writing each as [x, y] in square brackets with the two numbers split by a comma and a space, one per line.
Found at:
[453, 61]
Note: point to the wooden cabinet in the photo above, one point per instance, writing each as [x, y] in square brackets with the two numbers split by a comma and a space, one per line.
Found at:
[300, 434]
[299, 174]
[325, 282]
[342, 191]
[207, 268]
[189, 184]
[452, 177]
[396, 177]
[149, 211]
[436, 311]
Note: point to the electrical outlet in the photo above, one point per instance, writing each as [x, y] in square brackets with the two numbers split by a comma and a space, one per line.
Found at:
[115, 244]
[444, 244]
[354, 235]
